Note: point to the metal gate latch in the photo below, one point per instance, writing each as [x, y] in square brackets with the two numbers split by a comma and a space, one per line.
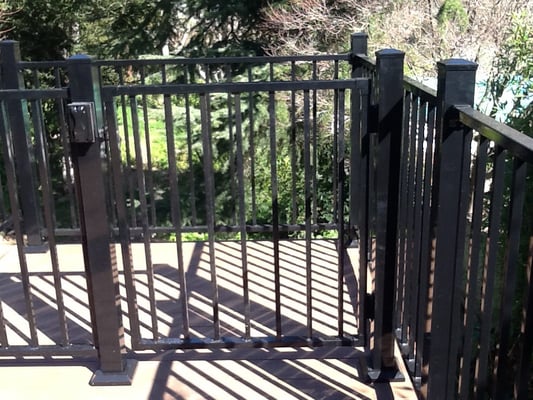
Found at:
[83, 122]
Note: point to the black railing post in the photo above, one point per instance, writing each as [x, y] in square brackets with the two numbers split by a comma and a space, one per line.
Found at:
[86, 120]
[358, 45]
[389, 69]
[456, 84]
[18, 119]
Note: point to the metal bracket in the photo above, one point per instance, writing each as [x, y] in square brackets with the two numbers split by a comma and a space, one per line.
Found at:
[120, 378]
[370, 302]
[83, 122]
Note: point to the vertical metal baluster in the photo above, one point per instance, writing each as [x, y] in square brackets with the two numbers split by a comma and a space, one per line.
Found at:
[275, 208]
[11, 177]
[127, 145]
[512, 260]
[523, 377]
[3, 204]
[117, 170]
[363, 216]
[355, 159]
[4, 131]
[3, 334]
[417, 245]
[341, 240]
[426, 250]
[106, 161]
[413, 205]
[252, 149]
[210, 205]
[48, 205]
[472, 298]
[163, 74]
[231, 155]
[242, 215]
[188, 128]
[491, 254]
[293, 150]
[335, 149]
[410, 282]
[404, 168]
[176, 212]
[144, 215]
[314, 144]
[308, 214]
[149, 179]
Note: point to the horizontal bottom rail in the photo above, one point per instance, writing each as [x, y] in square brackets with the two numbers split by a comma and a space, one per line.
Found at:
[49, 351]
[259, 342]
[263, 228]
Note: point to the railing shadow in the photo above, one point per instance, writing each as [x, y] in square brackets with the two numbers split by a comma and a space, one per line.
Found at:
[273, 374]
[294, 299]
[47, 318]
[298, 373]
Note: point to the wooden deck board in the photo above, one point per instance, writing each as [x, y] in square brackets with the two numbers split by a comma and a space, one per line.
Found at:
[300, 373]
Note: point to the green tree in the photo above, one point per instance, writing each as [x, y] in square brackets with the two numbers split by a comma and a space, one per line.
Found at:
[509, 90]
[110, 29]
[45, 27]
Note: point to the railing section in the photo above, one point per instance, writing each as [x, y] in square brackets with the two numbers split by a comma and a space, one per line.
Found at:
[247, 159]
[146, 158]
[42, 295]
[214, 181]
[443, 211]
[462, 281]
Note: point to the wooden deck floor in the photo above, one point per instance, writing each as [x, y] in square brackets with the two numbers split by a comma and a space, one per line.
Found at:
[292, 373]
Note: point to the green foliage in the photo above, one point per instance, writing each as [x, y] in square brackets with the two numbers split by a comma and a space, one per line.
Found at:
[45, 27]
[453, 11]
[127, 29]
[509, 91]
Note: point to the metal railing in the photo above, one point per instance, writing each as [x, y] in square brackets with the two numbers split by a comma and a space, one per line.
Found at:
[436, 191]
[460, 243]
[211, 183]
[157, 73]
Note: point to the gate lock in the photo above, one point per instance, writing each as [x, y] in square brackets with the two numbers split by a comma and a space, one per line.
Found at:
[83, 122]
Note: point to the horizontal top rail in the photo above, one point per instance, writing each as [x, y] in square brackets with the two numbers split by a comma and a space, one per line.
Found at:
[42, 64]
[33, 94]
[503, 135]
[419, 89]
[411, 85]
[195, 60]
[234, 87]
[364, 60]
[224, 60]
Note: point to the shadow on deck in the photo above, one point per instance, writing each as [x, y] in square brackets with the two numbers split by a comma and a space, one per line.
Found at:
[273, 373]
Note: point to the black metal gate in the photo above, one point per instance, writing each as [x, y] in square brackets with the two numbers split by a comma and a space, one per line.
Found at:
[236, 236]
[247, 210]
